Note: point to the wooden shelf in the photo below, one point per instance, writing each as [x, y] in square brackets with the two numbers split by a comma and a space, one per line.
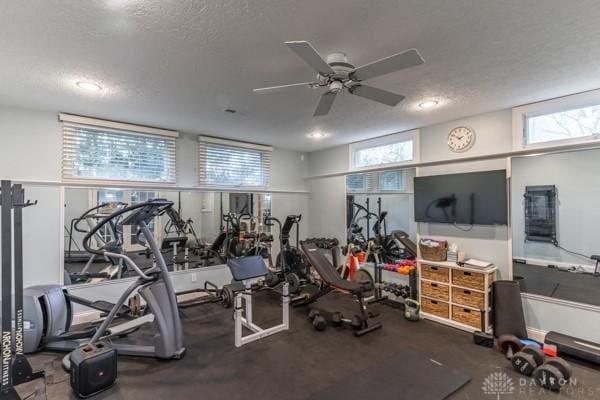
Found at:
[448, 264]
[454, 304]
[484, 278]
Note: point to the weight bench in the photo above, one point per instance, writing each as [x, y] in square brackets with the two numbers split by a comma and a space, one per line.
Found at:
[333, 281]
[246, 270]
[409, 246]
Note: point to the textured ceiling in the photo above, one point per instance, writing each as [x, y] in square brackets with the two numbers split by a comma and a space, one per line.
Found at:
[177, 64]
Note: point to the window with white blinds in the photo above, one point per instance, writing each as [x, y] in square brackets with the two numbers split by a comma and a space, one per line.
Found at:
[376, 182]
[230, 164]
[99, 150]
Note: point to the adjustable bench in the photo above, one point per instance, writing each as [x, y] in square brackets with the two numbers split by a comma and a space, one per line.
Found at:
[246, 270]
[333, 281]
[410, 247]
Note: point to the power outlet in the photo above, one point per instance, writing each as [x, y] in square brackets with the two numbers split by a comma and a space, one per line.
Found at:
[194, 277]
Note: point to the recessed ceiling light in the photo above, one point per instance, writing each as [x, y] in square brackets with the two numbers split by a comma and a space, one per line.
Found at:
[89, 86]
[429, 104]
[316, 135]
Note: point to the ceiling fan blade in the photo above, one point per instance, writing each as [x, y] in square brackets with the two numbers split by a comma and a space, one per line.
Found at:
[305, 51]
[272, 89]
[378, 95]
[325, 104]
[397, 62]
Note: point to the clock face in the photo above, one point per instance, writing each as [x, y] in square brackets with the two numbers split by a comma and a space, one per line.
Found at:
[461, 139]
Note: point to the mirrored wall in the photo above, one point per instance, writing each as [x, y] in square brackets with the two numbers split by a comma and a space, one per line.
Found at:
[201, 229]
[555, 218]
[380, 208]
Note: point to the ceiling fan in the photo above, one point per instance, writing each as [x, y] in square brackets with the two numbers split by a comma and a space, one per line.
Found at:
[336, 73]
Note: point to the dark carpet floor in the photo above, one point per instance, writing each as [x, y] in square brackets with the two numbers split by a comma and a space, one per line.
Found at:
[298, 363]
[551, 282]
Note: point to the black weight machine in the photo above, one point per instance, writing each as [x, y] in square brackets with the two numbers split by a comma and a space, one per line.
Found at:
[15, 366]
[289, 265]
[238, 242]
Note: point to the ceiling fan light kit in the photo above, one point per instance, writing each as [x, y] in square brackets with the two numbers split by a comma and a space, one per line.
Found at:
[336, 74]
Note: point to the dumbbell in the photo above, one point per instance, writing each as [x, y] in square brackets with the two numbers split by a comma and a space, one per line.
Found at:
[527, 360]
[509, 345]
[357, 322]
[337, 319]
[319, 322]
[553, 374]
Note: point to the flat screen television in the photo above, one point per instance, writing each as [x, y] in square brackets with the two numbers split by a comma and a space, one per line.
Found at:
[477, 198]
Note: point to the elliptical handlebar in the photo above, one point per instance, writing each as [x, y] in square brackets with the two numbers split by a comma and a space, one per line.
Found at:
[160, 205]
[88, 213]
[268, 221]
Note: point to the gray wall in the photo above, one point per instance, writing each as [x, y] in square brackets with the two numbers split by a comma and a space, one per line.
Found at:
[327, 203]
[575, 175]
[32, 150]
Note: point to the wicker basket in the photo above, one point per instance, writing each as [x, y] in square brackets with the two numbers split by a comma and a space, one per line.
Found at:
[437, 253]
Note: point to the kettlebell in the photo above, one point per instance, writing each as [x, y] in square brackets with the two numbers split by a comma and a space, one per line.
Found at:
[411, 310]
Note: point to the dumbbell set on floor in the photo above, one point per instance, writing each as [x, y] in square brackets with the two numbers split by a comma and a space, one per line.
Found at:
[550, 373]
[397, 289]
[337, 319]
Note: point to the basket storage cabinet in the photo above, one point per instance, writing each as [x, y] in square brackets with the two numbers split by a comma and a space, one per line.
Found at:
[456, 296]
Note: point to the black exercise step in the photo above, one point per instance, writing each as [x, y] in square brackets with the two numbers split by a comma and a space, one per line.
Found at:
[574, 347]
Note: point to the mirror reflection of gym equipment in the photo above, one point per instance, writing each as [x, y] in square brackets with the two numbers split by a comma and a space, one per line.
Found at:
[200, 230]
[555, 243]
[379, 218]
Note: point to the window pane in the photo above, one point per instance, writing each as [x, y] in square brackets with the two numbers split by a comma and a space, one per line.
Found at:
[93, 153]
[356, 182]
[138, 197]
[374, 182]
[232, 166]
[391, 180]
[108, 196]
[386, 154]
[564, 125]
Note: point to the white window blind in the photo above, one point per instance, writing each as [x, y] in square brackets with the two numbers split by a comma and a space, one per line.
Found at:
[99, 150]
[376, 182]
[230, 164]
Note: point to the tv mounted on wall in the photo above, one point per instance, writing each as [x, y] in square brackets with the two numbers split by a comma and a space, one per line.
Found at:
[476, 198]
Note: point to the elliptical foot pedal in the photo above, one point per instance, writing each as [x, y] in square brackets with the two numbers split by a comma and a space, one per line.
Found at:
[93, 369]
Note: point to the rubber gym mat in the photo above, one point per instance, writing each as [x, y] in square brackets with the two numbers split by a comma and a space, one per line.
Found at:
[407, 375]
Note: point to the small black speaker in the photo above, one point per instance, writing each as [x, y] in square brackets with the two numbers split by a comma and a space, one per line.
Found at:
[93, 369]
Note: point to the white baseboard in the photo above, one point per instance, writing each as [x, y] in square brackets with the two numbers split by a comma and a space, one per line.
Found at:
[536, 334]
[562, 265]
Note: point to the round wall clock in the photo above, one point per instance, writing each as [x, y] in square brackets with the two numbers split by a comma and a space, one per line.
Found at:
[461, 139]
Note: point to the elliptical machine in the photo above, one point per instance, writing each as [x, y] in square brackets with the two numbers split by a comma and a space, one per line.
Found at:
[115, 245]
[49, 308]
